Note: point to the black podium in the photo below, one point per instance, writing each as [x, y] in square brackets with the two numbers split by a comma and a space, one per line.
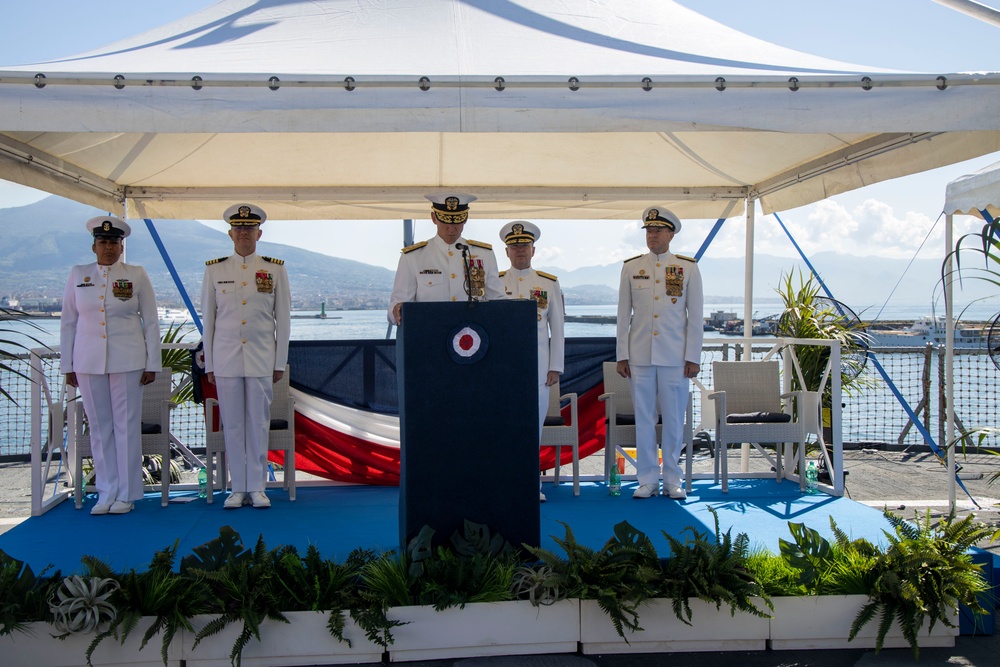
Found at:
[468, 417]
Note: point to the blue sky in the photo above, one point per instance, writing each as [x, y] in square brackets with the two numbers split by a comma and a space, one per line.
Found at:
[886, 219]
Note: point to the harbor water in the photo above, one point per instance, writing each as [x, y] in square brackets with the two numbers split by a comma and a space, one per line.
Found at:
[874, 417]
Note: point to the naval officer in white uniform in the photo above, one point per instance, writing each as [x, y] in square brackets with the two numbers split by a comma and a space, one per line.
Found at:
[246, 305]
[109, 348]
[435, 270]
[660, 332]
[520, 281]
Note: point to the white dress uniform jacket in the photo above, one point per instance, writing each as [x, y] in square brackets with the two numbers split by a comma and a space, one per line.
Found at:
[433, 271]
[660, 311]
[544, 289]
[246, 304]
[109, 322]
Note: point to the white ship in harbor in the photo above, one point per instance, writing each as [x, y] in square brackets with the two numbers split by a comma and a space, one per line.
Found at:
[928, 329]
[172, 315]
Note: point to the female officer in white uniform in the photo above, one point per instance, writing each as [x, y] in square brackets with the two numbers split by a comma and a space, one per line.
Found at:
[110, 348]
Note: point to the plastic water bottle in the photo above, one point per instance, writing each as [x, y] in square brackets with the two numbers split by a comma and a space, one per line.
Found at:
[812, 477]
[615, 485]
[202, 483]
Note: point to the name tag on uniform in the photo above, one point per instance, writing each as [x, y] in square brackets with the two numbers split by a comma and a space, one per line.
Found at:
[85, 285]
[640, 277]
[428, 272]
[224, 282]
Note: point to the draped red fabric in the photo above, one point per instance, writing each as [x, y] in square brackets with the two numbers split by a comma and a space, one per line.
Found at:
[340, 457]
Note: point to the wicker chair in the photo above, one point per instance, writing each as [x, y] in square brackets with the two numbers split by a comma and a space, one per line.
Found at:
[280, 436]
[750, 407]
[155, 436]
[557, 433]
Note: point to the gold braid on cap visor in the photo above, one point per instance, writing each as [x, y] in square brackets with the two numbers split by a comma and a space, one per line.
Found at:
[451, 217]
[515, 239]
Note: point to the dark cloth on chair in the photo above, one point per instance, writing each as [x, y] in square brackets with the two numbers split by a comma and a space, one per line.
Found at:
[758, 418]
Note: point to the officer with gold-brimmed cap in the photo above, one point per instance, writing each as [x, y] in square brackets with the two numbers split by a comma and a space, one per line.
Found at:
[660, 332]
[435, 270]
[109, 348]
[246, 305]
[520, 281]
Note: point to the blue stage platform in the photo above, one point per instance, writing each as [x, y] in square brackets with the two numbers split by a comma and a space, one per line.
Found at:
[339, 519]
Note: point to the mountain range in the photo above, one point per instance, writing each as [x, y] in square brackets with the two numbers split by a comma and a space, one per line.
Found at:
[41, 241]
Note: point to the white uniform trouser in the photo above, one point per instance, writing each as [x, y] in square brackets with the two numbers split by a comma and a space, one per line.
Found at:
[671, 387]
[245, 408]
[113, 403]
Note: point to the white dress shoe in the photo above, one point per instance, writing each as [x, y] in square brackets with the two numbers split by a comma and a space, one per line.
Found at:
[120, 507]
[676, 492]
[647, 491]
[259, 500]
[235, 501]
[101, 508]
[541, 497]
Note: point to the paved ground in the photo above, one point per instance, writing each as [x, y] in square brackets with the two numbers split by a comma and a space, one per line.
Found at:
[904, 481]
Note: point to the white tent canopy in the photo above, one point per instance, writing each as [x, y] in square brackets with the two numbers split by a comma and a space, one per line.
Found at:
[353, 109]
[973, 193]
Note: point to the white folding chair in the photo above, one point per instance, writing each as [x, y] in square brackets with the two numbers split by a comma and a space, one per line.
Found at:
[750, 408]
[557, 433]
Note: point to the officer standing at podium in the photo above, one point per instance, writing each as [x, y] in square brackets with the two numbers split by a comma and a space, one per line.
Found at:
[246, 305]
[660, 332]
[447, 267]
[520, 281]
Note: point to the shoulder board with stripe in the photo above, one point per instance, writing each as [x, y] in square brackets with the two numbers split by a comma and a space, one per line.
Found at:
[685, 257]
[215, 261]
[415, 246]
[273, 260]
[546, 275]
[480, 244]
[631, 259]
[502, 274]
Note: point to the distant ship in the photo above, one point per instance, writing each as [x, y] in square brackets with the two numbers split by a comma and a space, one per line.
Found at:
[928, 329]
[172, 315]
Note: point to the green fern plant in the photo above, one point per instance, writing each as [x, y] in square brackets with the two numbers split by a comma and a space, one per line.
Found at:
[620, 576]
[157, 592]
[24, 595]
[243, 587]
[924, 575]
[712, 569]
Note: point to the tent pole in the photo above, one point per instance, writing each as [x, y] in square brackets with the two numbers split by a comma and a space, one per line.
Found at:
[173, 273]
[407, 241]
[949, 360]
[748, 310]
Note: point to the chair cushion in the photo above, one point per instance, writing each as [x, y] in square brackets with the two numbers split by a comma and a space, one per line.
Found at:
[554, 421]
[758, 418]
[629, 420]
[150, 429]
[279, 424]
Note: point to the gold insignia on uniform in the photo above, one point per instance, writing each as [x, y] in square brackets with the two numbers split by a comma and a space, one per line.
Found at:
[642, 272]
[244, 212]
[273, 260]
[215, 261]
[517, 229]
[476, 288]
[106, 226]
[547, 275]
[451, 203]
[675, 281]
[122, 289]
[479, 244]
[652, 214]
[690, 259]
[415, 246]
[265, 282]
[86, 279]
[541, 296]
